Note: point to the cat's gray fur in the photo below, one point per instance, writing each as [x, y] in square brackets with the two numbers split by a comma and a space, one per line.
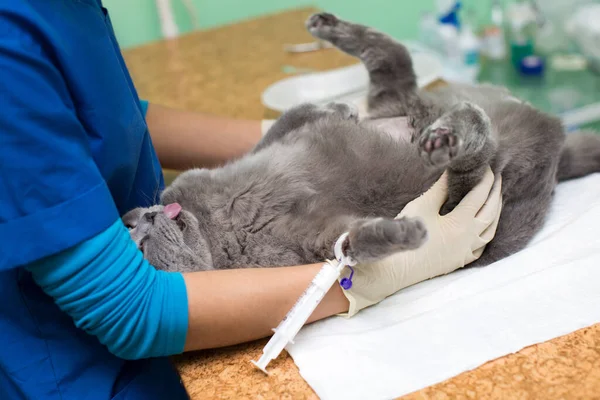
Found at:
[320, 172]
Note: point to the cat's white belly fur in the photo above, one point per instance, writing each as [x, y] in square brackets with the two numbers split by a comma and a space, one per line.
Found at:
[396, 127]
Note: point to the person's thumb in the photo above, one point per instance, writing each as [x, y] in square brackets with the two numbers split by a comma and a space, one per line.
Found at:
[470, 205]
[432, 200]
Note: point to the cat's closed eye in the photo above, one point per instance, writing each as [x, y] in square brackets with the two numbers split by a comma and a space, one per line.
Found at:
[132, 219]
[150, 216]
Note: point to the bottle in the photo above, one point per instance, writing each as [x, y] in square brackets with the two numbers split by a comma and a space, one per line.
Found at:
[449, 40]
[469, 46]
[521, 20]
[448, 12]
[448, 31]
[428, 31]
[494, 43]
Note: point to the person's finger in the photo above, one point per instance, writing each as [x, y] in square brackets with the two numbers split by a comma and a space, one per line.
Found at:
[493, 203]
[490, 212]
[438, 193]
[475, 199]
[488, 233]
[475, 255]
[434, 197]
[265, 125]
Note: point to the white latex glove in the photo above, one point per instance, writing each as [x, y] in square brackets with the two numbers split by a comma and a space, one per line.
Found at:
[454, 240]
[265, 125]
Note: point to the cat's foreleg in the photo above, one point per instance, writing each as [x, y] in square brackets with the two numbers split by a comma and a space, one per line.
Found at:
[461, 141]
[301, 115]
[369, 239]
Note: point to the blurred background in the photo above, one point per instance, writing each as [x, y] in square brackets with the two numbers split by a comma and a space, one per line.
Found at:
[137, 21]
[546, 51]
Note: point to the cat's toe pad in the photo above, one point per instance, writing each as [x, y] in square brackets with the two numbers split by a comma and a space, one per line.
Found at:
[439, 145]
[410, 233]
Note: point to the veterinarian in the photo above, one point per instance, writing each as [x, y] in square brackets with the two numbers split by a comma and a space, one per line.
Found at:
[82, 314]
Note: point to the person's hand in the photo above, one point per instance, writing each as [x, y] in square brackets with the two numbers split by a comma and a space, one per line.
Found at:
[454, 240]
[265, 125]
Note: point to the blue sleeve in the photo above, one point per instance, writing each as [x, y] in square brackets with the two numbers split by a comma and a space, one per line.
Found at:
[111, 292]
[52, 195]
[144, 105]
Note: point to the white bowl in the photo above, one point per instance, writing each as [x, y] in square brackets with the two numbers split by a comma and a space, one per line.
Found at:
[346, 84]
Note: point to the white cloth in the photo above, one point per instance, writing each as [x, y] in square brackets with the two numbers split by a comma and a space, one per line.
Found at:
[440, 328]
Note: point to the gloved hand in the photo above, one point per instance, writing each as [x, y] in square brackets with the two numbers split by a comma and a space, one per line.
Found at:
[454, 240]
[265, 125]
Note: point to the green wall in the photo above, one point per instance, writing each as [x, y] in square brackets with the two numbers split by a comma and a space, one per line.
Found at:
[136, 21]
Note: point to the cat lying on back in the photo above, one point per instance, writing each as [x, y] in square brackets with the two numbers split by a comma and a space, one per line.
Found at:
[320, 172]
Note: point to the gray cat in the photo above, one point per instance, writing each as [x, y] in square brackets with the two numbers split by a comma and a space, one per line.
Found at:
[320, 172]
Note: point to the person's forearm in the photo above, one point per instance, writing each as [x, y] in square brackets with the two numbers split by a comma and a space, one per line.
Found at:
[235, 306]
[136, 311]
[111, 292]
[185, 139]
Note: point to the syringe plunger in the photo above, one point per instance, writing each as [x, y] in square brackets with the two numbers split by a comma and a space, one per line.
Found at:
[304, 307]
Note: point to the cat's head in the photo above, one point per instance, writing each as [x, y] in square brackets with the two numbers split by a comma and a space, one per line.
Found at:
[169, 237]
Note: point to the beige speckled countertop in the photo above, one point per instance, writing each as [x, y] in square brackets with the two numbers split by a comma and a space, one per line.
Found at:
[224, 71]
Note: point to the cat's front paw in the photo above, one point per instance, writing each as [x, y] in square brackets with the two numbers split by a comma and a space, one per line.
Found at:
[378, 238]
[438, 145]
[344, 110]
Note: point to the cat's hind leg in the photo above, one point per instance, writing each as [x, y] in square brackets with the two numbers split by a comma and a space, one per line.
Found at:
[461, 141]
[580, 155]
[519, 222]
[393, 82]
[301, 115]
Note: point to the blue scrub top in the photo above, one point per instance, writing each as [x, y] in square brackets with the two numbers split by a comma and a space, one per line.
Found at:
[75, 155]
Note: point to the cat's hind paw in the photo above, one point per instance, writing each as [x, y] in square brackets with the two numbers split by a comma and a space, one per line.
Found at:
[439, 145]
[321, 25]
[344, 35]
[463, 131]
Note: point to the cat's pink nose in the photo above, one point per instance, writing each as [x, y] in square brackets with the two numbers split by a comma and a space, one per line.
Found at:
[172, 210]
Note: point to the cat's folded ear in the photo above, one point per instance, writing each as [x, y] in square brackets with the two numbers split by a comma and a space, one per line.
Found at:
[131, 218]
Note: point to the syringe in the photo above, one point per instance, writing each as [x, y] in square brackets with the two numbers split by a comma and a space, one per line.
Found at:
[296, 318]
